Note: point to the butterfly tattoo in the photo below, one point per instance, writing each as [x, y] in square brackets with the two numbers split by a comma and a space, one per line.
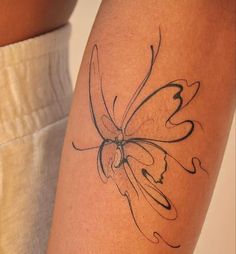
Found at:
[131, 153]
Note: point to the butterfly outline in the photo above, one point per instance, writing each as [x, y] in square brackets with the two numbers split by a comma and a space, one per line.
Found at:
[115, 139]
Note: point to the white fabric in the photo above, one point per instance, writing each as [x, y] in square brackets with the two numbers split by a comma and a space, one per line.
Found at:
[35, 96]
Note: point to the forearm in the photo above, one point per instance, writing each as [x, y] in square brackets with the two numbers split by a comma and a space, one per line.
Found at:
[159, 148]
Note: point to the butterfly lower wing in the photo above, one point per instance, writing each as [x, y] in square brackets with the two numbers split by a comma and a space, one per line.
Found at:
[153, 118]
[149, 176]
[146, 212]
[139, 187]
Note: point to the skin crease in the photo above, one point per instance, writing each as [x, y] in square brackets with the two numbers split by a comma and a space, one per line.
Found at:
[20, 20]
[92, 217]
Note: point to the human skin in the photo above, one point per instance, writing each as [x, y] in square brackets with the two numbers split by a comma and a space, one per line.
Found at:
[20, 20]
[197, 45]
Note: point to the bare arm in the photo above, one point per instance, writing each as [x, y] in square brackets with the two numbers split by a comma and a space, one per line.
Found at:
[149, 121]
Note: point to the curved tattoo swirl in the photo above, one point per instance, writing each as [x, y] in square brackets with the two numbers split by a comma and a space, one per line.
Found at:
[130, 153]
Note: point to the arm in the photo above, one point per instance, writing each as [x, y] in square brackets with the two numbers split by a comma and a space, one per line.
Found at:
[154, 96]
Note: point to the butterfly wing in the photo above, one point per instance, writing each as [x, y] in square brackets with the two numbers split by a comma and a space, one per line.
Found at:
[147, 166]
[153, 118]
[147, 163]
[137, 180]
[101, 116]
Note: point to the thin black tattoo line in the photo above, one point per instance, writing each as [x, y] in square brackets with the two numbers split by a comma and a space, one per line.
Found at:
[126, 194]
[145, 172]
[143, 83]
[139, 127]
[170, 245]
[135, 221]
[76, 147]
[130, 204]
[150, 142]
[177, 96]
[130, 156]
[136, 191]
[104, 101]
[170, 205]
[99, 166]
[90, 97]
[160, 180]
[196, 83]
[100, 155]
[115, 138]
[141, 188]
[104, 116]
[113, 107]
[180, 107]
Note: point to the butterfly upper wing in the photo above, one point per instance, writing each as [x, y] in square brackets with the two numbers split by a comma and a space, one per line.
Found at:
[152, 119]
[101, 116]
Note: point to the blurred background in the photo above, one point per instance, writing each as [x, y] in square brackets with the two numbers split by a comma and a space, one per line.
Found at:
[218, 233]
